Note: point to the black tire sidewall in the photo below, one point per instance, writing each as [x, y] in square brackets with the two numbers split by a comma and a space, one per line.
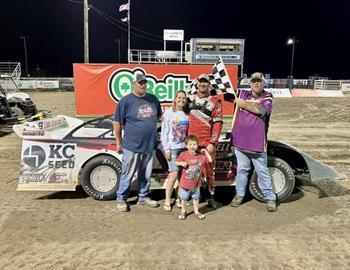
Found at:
[287, 171]
[103, 160]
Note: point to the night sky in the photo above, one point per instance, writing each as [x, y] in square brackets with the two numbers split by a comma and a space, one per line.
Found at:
[55, 31]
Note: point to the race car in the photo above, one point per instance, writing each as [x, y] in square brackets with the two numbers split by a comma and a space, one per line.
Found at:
[62, 152]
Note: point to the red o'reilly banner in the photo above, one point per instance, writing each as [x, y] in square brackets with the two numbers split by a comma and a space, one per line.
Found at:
[99, 87]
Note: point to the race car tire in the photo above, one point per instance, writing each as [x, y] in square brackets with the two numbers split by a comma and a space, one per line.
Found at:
[17, 112]
[282, 176]
[100, 177]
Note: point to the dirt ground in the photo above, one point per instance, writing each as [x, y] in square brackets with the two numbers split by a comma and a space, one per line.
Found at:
[67, 230]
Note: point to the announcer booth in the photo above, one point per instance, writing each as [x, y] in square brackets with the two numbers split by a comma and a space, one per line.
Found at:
[208, 50]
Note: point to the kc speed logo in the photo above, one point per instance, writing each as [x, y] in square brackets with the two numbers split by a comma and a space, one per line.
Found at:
[34, 156]
[56, 156]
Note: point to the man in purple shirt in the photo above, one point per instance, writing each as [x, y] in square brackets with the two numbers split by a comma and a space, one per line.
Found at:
[249, 136]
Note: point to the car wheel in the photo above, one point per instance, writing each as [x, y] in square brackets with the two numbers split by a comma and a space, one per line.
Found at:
[17, 112]
[282, 176]
[100, 177]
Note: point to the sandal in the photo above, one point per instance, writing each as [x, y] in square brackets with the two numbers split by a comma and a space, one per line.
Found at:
[182, 216]
[178, 203]
[199, 216]
[167, 207]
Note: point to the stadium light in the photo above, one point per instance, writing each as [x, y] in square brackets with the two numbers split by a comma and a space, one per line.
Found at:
[292, 41]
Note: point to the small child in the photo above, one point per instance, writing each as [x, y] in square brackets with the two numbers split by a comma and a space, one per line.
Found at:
[191, 178]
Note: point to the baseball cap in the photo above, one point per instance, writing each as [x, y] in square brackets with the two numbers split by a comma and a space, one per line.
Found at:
[139, 77]
[257, 76]
[203, 77]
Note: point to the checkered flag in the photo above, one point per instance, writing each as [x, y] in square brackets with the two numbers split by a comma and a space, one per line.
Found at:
[193, 88]
[220, 79]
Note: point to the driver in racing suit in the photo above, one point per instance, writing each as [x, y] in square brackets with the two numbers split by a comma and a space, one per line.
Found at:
[205, 122]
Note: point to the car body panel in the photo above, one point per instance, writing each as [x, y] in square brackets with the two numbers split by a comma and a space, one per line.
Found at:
[54, 151]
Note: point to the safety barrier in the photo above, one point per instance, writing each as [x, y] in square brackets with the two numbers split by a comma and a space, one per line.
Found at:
[46, 84]
[316, 93]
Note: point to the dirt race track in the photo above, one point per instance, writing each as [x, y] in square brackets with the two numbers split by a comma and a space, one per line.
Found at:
[67, 230]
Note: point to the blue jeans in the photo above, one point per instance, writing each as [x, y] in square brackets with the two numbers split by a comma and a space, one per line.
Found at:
[184, 194]
[141, 163]
[259, 161]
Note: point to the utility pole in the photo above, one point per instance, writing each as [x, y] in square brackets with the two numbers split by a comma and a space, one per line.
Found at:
[25, 53]
[118, 40]
[129, 17]
[86, 31]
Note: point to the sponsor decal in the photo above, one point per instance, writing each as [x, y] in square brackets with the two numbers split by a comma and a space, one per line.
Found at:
[33, 132]
[120, 84]
[62, 156]
[51, 123]
[34, 156]
[44, 165]
[59, 156]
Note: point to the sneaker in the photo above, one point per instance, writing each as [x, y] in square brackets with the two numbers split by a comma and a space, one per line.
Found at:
[237, 201]
[148, 202]
[271, 206]
[122, 206]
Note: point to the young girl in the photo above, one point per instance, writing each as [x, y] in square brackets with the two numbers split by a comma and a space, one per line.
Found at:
[191, 178]
[173, 134]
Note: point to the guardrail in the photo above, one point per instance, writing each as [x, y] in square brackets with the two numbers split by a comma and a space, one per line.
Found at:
[159, 57]
[12, 69]
[44, 84]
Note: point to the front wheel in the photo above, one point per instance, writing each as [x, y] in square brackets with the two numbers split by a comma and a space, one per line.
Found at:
[17, 112]
[101, 176]
[282, 178]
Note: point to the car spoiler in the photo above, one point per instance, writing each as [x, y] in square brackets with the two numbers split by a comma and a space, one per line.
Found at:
[318, 171]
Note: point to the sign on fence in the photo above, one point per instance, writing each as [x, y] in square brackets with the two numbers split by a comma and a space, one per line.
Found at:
[47, 84]
[98, 87]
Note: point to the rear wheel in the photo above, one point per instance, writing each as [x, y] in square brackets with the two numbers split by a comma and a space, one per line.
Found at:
[282, 177]
[100, 177]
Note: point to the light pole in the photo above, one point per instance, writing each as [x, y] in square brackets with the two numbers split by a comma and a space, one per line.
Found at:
[292, 41]
[118, 40]
[86, 31]
[25, 52]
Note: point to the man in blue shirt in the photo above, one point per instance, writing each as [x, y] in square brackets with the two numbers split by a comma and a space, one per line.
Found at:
[136, 114]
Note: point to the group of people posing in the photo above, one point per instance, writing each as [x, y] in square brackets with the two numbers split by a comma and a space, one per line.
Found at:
[189, 135]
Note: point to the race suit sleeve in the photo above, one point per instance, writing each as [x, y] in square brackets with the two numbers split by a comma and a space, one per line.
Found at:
[166, 129]
[217, 123]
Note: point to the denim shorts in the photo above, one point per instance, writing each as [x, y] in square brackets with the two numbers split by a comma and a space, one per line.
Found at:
[171, 163]
[186, 193]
